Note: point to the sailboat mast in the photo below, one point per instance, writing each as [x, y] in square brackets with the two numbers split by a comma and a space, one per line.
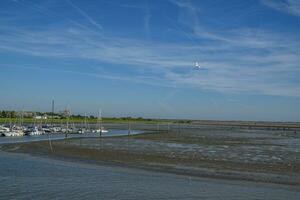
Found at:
[52, 113]
[100, 122]
[10, 123]
[85, 123]
[129, 126]
[67, 123]
[22, 117]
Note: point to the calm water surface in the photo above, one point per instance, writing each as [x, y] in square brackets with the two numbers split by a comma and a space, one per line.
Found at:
[26, 177]
[7, 140]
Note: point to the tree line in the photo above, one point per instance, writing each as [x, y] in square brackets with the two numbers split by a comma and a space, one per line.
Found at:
[7, 114]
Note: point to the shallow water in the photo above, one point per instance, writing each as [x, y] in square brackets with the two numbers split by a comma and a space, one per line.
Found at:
[8, 140]
[25, 177]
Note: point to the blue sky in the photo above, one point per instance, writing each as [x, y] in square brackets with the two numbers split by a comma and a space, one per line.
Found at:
[136, 57]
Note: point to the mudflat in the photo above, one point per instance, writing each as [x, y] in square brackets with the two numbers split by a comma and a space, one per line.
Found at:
[206, 151]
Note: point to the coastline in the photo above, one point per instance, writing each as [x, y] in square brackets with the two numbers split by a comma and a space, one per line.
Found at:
[131, 156]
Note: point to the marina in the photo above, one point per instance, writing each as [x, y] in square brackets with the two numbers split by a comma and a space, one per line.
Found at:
[18, 131]
[39, 128]
[58, 136]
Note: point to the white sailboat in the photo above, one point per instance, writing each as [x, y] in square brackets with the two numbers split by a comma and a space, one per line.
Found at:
[34, 131]
[13, 132]
[100, 129]
[3, 130]
[85, 128]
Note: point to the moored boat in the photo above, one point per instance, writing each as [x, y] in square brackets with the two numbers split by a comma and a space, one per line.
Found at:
[13, 133]
[33, 131]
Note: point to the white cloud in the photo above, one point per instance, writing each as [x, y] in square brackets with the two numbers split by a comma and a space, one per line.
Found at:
[85, 15]
[287, 6]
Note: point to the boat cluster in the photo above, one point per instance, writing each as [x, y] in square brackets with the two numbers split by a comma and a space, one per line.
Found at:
[11, 131]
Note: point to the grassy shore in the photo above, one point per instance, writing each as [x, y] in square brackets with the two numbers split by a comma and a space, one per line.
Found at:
[238, 124]
[89, 120]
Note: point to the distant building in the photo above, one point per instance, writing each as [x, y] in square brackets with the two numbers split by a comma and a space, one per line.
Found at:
[65, 113]
[40, 117]
[27, 114]
[55, 117]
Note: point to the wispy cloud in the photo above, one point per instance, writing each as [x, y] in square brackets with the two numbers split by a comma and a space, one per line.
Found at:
[139, 79]
[287, 6]
[85, 15]
[184, 4]
[228, 69]
[147, 19]
[237, 60]
[244, 60]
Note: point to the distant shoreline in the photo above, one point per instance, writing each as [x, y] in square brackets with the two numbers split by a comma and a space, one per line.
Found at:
[231, 123]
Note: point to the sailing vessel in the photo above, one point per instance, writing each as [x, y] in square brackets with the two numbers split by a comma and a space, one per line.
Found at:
[100, 129]
[3, 130]
[13, 132]
[84, 128]
[33, 131]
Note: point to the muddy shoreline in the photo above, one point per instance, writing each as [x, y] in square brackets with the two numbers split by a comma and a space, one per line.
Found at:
[173, 152]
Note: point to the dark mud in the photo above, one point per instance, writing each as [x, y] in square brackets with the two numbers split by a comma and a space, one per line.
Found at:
[219, 152]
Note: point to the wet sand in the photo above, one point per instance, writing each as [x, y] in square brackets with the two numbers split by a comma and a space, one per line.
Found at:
[215, 152]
